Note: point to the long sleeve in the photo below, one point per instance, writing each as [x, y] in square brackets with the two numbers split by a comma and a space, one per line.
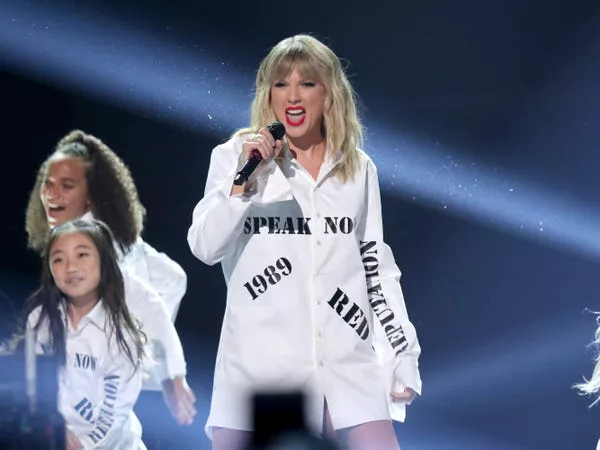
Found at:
[395, 336]
[218, 219]
[149, 308]
[111, 426]
[167, 277]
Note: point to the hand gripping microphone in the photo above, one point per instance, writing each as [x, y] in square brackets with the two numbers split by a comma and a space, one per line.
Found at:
[277, 130]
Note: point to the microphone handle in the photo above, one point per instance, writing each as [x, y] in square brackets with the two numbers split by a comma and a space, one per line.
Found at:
[253, 162]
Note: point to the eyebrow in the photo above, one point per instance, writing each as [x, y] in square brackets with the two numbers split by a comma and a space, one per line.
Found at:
[80, 246]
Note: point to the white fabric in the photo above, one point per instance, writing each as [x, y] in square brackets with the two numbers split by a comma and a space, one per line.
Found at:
[164, 349]
[315, 327]
[98, 384]
[162, 273]
[154, 287]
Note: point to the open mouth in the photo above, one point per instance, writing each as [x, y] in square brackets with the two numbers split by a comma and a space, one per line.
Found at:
[55, 209]
[295, 116]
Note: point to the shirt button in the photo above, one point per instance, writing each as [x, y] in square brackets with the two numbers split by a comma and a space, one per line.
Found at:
[319, 334]
[319, 302]
[318, 214]
[318, 242]
[320, 363]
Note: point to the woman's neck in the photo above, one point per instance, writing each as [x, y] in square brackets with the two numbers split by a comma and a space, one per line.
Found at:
[309, 156]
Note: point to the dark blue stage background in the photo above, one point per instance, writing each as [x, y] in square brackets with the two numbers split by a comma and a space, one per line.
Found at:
[484, 115]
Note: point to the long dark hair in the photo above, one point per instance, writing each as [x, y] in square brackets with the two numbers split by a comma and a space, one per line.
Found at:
[111, 290]
[113, 195]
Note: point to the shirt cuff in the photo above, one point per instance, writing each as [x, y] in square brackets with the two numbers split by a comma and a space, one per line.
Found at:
[176, 368]
[406, 375]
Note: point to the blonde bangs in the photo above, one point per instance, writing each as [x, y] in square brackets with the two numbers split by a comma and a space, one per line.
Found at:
[305, 64]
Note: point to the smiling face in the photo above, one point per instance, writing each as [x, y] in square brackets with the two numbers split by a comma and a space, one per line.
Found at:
[299, 102]
[75, 266]
[64, 191]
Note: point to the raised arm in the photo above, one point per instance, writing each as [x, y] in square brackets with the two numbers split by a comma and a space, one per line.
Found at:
[218, 219]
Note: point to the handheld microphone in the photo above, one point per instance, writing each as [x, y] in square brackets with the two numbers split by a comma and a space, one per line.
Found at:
[277, 130]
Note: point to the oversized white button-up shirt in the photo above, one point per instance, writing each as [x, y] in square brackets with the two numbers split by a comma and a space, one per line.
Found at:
[98, 385]
[313, 301]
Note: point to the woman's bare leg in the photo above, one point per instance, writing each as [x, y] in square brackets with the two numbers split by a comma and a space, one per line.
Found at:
[376, 435]
[328, 430]
[229, 439]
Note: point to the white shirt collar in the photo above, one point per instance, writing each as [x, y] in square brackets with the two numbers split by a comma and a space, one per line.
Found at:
[97, 315]
[332, 159]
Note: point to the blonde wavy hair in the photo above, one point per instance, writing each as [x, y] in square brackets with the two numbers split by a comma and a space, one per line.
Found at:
[314, 60]
[592, 386]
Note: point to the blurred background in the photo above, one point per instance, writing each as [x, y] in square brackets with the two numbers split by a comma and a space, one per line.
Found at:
[480, 116]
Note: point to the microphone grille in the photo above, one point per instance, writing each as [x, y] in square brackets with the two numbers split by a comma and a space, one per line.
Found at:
[277, 130]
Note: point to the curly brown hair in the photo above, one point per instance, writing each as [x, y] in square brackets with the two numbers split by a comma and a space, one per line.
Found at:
[112, 192]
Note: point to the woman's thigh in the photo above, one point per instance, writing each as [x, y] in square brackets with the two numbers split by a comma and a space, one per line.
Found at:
[229, 439]
[376, 435]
